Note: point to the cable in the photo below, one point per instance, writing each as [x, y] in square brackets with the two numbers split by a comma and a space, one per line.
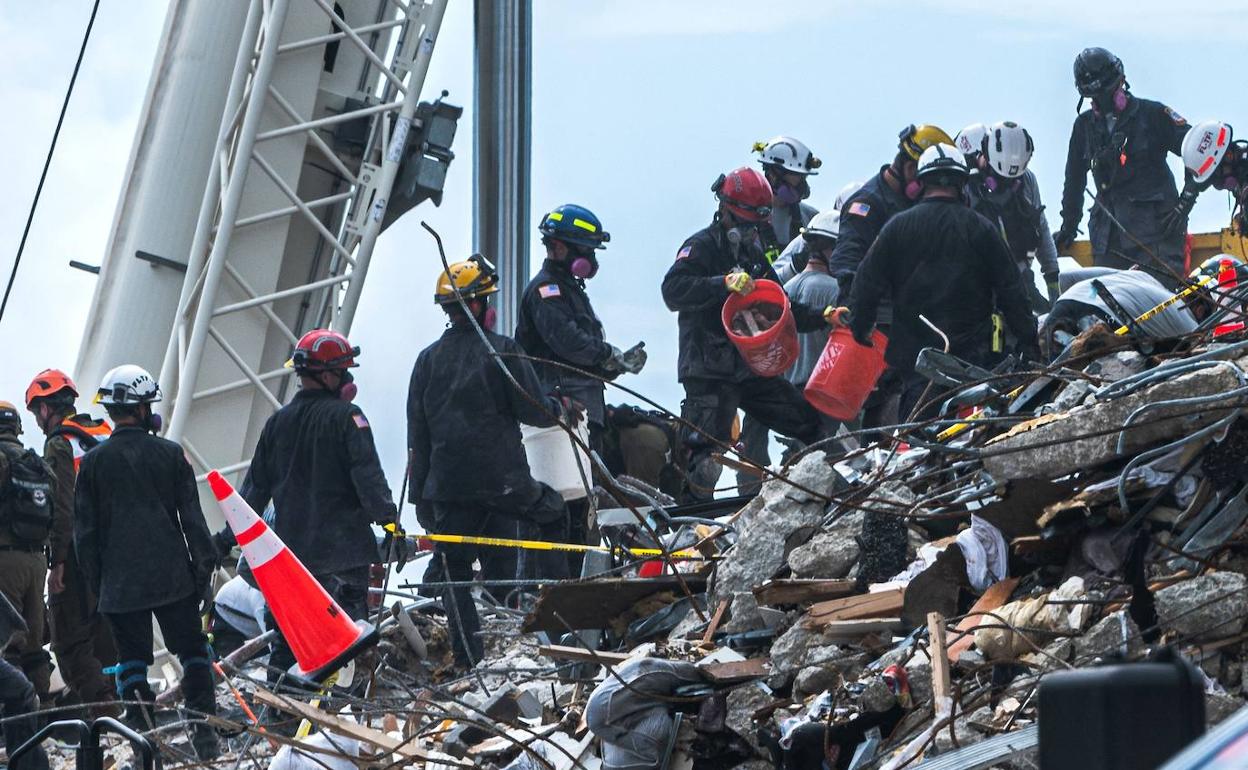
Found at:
[47, 162]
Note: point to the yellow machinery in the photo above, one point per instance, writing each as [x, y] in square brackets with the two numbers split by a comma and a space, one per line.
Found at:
[1204, 245]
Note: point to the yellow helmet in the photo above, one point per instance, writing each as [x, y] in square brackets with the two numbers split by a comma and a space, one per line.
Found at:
[915, 139]
[474, 277]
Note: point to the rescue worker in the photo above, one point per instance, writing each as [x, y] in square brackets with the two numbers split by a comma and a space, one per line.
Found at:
[793, 259]
[468, 470]
[814, 287]
[18, 701]
[1007, 194]
[1137, 216]
[25, 528]
[145, 550]
[723, 258]
[557, 322]
[887, 193]
[970, 142]
[316, 461]
[787, 165]
[943, 261]
[891, 191]
[81, 639]
[1213, 158]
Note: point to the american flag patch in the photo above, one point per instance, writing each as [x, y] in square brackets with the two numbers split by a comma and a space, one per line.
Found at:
[860, 209]
[361, 421]
[684, 252]
[548, 291]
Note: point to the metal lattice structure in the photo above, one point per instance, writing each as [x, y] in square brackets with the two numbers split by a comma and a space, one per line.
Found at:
[317, 118]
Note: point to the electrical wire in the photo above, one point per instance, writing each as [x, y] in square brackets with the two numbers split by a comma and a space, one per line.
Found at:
[47, 162]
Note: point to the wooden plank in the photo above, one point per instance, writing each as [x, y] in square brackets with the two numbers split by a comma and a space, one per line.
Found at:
[562, 652]
[797, 591]
[716, 619]
[852, 629]
[939, 653]
[594, 603]
[351, 729]
[737, 670]
[996, 595]
[884, 604]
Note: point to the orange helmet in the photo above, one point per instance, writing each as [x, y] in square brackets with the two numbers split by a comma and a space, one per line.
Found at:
[47, 383]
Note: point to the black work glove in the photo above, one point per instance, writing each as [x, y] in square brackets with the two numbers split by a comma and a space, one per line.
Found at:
[222, 544]
[396, 547]
[1053, 284]
[1175, 220]
[1064, 238]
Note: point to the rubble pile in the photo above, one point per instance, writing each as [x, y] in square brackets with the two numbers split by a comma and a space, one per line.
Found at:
[873, 608]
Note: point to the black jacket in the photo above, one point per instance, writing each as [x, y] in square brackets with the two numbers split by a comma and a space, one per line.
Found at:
[557, 322]
[942, 260]
[862, 218]
[138, 529]
[464, 416]
[1129, 172]
[694, 288]
[317, 462]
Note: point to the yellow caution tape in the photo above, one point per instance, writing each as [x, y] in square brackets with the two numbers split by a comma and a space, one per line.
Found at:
[954, 430]
[540, 545]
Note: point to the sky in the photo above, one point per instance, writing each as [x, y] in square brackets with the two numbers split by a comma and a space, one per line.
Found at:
[638, 106]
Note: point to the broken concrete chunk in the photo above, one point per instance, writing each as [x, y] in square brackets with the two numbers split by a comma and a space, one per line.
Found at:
[831, 553]
[1113, 635]
[1205, 608]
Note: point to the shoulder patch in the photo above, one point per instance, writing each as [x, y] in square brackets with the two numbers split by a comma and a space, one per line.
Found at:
[1178, 119]
[548, 290]
[859, 208]
[684, 252]
[360, 420]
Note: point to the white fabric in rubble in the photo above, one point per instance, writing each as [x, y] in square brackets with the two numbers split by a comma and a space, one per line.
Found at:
[1137, 292]
[241, 606]
[987, 555]
[291, 758]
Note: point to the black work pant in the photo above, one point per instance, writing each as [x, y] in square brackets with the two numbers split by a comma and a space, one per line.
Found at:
[81, 639]
[184, 637]
[536, 512]
[348, 587]
[1161, 258]
[711, 405]
[17, 697]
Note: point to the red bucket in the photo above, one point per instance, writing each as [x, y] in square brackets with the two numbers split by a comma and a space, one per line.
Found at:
[845, 374]
[771, 352]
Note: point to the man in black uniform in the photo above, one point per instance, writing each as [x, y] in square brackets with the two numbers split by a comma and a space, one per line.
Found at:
[941, 260]
[720, 259]
[145, 550]
[1137, 217]
[557, 322]
[316, 461]
[469, 474]
[1212, 157]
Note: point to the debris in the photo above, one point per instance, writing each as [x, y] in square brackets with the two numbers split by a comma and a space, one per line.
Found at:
[1204, 608]
[756, 319]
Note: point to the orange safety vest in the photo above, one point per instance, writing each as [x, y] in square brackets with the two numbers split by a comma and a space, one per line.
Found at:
[82, 436]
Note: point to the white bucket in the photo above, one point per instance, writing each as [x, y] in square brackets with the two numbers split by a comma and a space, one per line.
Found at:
[553, 458]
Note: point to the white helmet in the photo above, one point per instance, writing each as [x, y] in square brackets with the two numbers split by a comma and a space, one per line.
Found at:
[127, 384]
[1009, 149]
[789, 153]
[1204, 147]
[845, 194]
[942, 158]
[970, 140]
[825, 224]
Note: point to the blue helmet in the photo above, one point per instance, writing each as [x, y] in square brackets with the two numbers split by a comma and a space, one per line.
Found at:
[576, 225]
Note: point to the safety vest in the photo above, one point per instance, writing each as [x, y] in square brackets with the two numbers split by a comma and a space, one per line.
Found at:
[83, 434]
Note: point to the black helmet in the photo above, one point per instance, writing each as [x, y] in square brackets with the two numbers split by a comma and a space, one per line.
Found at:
[1096, 71]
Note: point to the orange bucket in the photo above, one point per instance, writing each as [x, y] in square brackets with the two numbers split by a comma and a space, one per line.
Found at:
[845, 374]
[771, 352]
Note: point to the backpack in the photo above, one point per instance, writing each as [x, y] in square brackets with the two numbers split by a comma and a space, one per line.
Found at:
[26, 498]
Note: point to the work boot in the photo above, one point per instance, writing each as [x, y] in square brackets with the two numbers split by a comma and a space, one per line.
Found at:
[140, 713]
[205, 742]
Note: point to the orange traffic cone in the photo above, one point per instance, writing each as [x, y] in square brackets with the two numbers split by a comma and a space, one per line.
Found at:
[320, 634]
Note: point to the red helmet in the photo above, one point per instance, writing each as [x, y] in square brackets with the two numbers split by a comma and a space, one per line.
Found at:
[322, 350]
[745, 192]
[49, 382]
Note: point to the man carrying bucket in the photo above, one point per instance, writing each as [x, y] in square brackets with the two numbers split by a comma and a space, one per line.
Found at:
[720, 260]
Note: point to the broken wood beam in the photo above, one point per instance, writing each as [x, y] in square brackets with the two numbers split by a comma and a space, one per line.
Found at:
[798, 591]
[582, 655]
[882, 604]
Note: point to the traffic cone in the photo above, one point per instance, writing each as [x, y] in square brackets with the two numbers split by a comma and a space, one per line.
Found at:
[1228, 281]
[320, 633]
